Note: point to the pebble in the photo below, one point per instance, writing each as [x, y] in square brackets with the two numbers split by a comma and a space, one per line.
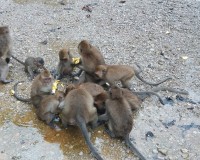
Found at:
[162, 151]
[185, 156]
[81, 153]
[184, 150]
[155, 151]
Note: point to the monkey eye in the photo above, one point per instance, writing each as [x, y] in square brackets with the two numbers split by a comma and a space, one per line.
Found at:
[81, 50]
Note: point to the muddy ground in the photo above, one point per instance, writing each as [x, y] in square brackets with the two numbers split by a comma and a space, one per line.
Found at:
[162, 36]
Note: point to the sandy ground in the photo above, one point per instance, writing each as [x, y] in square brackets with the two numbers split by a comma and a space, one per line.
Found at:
[163, 37]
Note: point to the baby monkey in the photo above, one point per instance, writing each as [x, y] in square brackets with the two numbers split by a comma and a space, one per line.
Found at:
[120, 119]
[5, 43]
[65, 65]
[49, 108]
[32, 65]
[122, 73]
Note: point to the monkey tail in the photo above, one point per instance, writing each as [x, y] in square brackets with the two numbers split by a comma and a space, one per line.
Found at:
[150, 83]
[149, 93]
[18, 60]
[133, 148]
[169, 89]
[16, 95]
[82, 126]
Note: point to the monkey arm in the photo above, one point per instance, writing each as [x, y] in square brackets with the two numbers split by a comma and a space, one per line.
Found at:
[30, 71]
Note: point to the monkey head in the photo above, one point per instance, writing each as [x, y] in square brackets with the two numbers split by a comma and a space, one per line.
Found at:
[60, 95]
[83, 47]
[4, 29]
[100, 71]
[39, 62]
[69, 88]
[64, 54]
[116, 92]
[99, 100]
[46, 77]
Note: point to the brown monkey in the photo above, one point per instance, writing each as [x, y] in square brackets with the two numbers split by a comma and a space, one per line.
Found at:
[4, 69]
[49, 108]
[5, 43]
[120, 119]
[32, 65]
[122, 73]
[41, 85]
[91, 57]
[98, 93]
[65, 65]
[79, 110]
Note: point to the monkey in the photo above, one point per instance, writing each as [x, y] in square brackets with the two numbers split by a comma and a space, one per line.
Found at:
[4, 69]
[120, 119]
[78, 109]
[91, 57]
[98, 93]
[41, 85]
[122, 73]
[49, 108]
[5, 43]
[32, 65]
[65, 65]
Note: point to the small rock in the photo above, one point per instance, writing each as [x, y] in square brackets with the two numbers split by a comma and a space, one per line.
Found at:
[162, 151]
[167, 32]
[57, 135]
[155, 151]
[87, 8]
[161, 62]
[149, 134]
[44, 42]
[81, 153]
[185, 156]
[122, 1]
[71, 147]
[184, 150]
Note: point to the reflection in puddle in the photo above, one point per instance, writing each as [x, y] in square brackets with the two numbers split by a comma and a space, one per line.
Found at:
[70, 139]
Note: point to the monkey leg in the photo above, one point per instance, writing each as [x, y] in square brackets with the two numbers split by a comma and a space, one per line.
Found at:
[108, 131]
[4, 74]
